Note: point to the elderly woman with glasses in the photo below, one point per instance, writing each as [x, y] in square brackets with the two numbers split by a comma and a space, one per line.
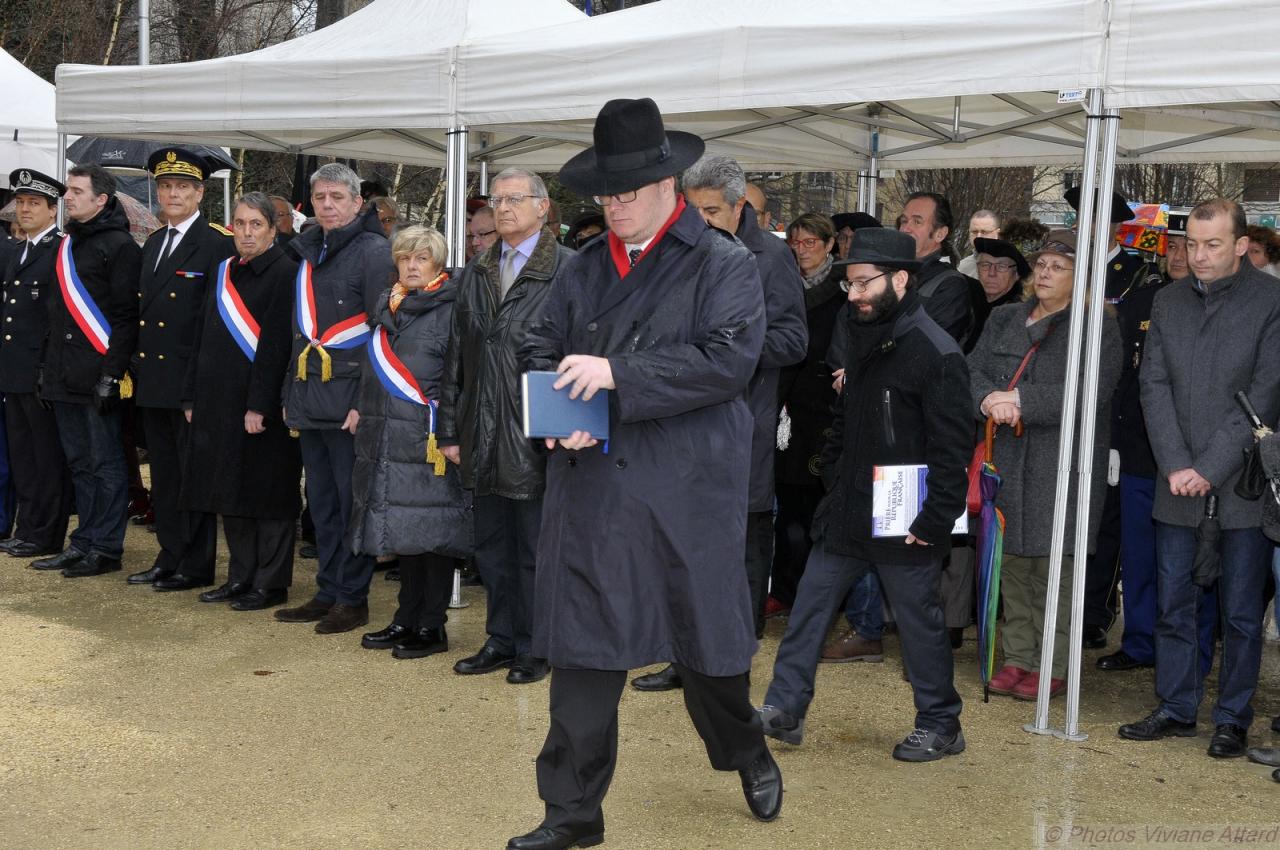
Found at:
[1017, 374]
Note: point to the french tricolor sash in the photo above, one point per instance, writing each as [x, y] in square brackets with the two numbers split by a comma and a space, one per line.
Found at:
[400, 383]
[80, 303]
[235, 315]
[346, 334]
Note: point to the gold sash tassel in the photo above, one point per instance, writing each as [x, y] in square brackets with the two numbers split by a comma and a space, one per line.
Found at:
[434, 456]
[326, 362]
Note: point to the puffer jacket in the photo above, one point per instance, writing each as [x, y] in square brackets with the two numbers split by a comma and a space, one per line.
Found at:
[480, 407]
[399, 505]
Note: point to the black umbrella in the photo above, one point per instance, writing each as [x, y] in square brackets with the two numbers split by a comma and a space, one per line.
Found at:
[133, 153]
[1208, 562]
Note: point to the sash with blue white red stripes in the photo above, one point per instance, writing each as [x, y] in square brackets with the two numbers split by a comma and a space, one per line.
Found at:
[244, 329]
[348, 333]
[400, 383]
[79, 302]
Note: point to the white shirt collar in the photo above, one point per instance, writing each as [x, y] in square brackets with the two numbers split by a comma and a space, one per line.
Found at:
[1115, 252]
[631, 246]
[43, 233]
[183, 226]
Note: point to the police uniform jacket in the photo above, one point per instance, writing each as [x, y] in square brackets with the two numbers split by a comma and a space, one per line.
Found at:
[1128, 428]
[170, 300]
[28, 289]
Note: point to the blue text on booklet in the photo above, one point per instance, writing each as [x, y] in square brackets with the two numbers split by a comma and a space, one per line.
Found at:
[551, 413]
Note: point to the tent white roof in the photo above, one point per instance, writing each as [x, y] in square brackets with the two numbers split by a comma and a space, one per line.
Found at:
[28, 129]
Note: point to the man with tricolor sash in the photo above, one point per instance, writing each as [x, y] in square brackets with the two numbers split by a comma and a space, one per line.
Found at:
[176, 263]
[345, 265]
[92, 331]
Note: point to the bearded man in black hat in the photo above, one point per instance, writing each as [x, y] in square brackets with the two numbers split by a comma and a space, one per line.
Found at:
[36, 463]
[640, 556]
[176, 263]
[905, 403]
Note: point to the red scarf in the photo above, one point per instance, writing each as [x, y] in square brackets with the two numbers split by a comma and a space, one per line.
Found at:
[618, 248]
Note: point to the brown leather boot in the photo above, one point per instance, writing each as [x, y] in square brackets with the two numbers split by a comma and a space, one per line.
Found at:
[343, 618]
[308, 612]
[851, 646]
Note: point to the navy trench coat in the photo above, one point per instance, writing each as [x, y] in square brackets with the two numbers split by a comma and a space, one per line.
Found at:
[640, 557]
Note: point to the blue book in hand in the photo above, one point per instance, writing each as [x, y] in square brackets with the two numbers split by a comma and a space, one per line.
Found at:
[549, 412]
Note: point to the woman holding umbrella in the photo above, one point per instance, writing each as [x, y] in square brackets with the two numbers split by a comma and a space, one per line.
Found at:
[1018, 371]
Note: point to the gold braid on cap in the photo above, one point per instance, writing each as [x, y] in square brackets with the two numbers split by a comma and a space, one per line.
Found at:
[178, 168]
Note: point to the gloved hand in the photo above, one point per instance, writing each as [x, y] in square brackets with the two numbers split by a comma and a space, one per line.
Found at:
[106, 394]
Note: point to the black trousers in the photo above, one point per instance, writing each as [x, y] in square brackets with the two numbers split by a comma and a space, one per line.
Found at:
[426, 583]
[261, 551]
[578, 759]
[506, 555]
[329, 457]
[759, 561]
[38, 470]
[796, 504]
[1103, 575]
[188, 540]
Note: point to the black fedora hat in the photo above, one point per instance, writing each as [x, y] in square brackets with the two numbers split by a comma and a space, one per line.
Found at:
[1001, 248]
[1119, 206]
[854, 221]
[632, 149]
[880, 246]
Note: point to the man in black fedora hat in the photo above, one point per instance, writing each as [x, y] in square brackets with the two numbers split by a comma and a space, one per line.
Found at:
[906, 402]
[643, 537]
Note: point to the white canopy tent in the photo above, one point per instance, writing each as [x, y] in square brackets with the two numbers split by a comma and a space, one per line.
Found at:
[28, 127]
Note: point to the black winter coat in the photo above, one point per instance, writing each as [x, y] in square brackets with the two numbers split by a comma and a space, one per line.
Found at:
[356, 269]
[28, 293]
[805, 388]
[944, 293]
[171, 299]
[399, 505]
[107, 261]
[641, 552]
[480, 408]
[905, 401]
[227, 470]
[785, 339]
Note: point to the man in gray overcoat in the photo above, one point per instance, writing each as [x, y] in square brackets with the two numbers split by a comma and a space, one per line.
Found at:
[643, 537]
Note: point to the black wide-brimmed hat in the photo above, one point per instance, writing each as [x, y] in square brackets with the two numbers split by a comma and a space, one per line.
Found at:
[632, 149]
[1119, 206]
[1000, 248]
[1177, 220]
[880, 246]
[854, 221]
[178, 162]
[31, 182]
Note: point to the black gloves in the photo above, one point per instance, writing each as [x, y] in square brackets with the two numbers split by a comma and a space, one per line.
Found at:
[106, 394]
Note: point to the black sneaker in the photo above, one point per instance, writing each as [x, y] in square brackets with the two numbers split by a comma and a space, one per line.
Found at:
[776, 723]
[1155, 726]
[924, 745]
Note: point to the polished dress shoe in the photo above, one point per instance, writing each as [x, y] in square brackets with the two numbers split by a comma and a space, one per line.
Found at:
[666, 679]
[307, 612]
[392, 574]
[385, 638]
[852, 646]
[258, 599]
[61, 561]
[421, 643]
[178, 581]
[23, 549]
[93, 564]
[343, 618]
[9, 542]
[1229, 741]
[925, 745]
[1121, 661]
[148, 576]
[308, 551]
[559, 838]
[1269, 756]
[1095, 637]
[144, 517]
[227, 592]
[956, 633]
[762, 786]
[486, 660]
[526, 670]
[1155, 726]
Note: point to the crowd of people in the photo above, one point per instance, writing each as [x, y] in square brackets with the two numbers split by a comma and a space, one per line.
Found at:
[756, 386]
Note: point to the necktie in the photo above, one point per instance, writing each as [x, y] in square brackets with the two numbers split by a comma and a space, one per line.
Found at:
[170, 239]
[633, 255]
[324, 249]
[507, 274]
[26, 249]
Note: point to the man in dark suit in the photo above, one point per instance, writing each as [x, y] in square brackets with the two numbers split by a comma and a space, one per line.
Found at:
[36, 464]
[176, 261]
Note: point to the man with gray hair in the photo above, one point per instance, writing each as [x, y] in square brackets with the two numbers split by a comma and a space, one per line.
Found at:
[345, 265]
[984, 224]
[717, 188]
[500, 294]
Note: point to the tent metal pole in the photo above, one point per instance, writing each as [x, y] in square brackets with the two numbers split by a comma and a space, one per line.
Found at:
[455, 207]
[1067, 429]
[144, 32]
[226, 198]
[1088, 415]
[62, 178]
[484, 177]
[873, 171]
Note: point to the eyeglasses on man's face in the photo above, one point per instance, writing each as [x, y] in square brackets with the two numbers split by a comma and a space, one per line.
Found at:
[497, 201]
[999, 267]
[481, 235]
[863, 284]
[621, 197]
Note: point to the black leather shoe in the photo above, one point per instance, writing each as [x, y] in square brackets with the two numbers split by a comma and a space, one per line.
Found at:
[149, 576]
[666, 679]
[9, 542]
[956, 633]
[762, 786]
[61, 561]
[227, 592]
[1121, 661]
[486, 660]
[1275, 723]
[1229, 741]
[257, 600]
[422, 643]
[385, 638]
[178, 581]
[526, 670]
[1095, 637]
[23, 549]
[558, 838]
[1270, 756]
[308, 551]
[392, 574]
[1155, 726]
[93, 564]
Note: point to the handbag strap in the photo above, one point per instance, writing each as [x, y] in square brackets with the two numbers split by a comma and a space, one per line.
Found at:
[1026, 358]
